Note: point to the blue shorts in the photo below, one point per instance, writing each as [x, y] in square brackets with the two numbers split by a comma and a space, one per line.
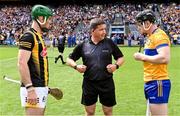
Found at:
[157, 91]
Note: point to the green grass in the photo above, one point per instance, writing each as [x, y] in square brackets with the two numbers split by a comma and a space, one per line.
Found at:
[128, 81]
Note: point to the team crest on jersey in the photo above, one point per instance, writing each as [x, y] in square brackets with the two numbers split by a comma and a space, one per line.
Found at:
[44, 52]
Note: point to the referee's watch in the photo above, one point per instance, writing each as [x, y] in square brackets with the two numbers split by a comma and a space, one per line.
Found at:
[117, 66]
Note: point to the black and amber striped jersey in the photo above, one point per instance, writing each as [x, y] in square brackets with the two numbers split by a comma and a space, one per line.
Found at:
[38, 62]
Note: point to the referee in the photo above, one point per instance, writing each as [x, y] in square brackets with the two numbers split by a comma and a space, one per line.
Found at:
[97, 67]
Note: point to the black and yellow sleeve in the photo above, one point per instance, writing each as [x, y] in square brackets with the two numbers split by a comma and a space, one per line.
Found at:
[26, 42]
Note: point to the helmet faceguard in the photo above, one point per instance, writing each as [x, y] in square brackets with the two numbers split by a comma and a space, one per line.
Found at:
[146, 15]
[40, 10]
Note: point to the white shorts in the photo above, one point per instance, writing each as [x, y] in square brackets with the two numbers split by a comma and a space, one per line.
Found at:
[42, 93]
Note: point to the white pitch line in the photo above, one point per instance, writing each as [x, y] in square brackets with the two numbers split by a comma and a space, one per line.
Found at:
[5, 60]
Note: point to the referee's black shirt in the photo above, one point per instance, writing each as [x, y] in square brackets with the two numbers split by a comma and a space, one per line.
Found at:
[96, 57]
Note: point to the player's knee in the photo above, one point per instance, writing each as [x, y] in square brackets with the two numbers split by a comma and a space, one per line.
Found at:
[90, 112]
[107, 112]
[35, 111]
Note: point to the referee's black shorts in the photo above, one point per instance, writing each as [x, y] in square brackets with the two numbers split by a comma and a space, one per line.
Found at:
[105, 89]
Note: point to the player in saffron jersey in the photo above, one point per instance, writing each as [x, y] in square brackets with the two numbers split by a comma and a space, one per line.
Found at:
[155, 58]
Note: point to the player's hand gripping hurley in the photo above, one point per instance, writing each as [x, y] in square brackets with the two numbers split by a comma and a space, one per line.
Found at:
[55, 92]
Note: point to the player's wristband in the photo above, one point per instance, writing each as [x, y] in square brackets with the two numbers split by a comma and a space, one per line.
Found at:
[29, 85]
[30, 89]
[117, 66]
[75, 67]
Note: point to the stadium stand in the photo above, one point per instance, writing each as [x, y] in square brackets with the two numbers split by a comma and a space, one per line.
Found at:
[15, 19]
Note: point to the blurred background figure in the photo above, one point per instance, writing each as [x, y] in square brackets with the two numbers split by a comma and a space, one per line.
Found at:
[61, 45]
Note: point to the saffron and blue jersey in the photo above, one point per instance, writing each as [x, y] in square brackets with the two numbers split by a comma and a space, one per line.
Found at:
[155, 71]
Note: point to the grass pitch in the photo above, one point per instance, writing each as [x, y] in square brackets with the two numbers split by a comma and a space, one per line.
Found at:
[128, 81]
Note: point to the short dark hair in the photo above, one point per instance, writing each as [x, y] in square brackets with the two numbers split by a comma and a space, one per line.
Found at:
[95, 22]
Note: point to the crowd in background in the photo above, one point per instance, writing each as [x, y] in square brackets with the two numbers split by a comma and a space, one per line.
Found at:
[171, 20]
[74, 20]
